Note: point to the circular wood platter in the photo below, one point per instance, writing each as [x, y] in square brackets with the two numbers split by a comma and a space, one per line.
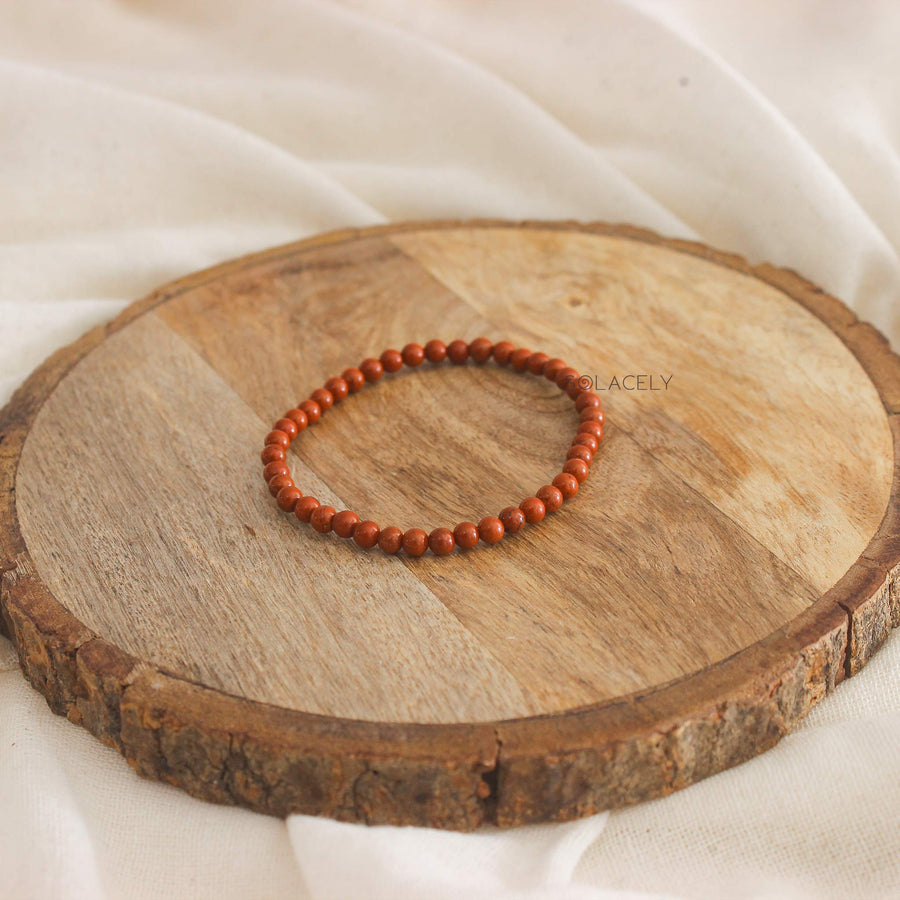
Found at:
[731, 559]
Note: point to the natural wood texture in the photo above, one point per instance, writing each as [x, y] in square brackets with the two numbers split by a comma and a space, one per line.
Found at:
[731, 558]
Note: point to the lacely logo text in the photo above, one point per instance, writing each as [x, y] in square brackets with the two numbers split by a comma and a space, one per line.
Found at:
[633, 381]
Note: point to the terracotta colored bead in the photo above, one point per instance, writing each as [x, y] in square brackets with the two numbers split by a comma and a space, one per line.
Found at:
[366, 534]
[551, 496]
[305, 508]
[279, 438]
[480, 350]
[457, 352]
[588, 440]
[355, 379]
[288, 426]
[591, 427]
[413, 354]
[566, 377]
[441, 542]
[272, 453]
[513, 519]
[279, 482]
[344, 522]
[298, 417]
[533, 509]
[592, 414]
[338, 387]
[567, 484]
[585, 400]
[518, 359]
[372, 369]
[577, 467]
[287, 498]
[435, 351]
[321, 518]
[490, 529]
[415, 542]
[392, 360]
[323, 397]
[552, 368]
[466, 535]
[313, 411]
[502, 351]
[580, 452]
[276, 467]
[576, 387]
[391, 539]
[536, 362]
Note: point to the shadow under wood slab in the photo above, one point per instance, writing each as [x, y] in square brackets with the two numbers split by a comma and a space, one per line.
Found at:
[730, 560]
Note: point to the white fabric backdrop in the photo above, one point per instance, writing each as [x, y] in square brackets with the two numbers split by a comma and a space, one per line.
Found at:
[140, 141]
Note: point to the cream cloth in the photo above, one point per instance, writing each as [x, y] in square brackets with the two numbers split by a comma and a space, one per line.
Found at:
[140, 141]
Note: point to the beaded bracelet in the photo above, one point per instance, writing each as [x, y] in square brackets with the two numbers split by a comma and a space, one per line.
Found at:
[415, 541]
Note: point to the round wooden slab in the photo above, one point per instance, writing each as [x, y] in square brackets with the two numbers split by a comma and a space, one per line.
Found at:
[730, 560]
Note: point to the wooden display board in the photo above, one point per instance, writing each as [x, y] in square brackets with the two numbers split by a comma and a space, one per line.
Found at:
[730, 560]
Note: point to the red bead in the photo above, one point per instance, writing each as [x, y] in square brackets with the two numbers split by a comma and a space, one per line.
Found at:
[279, 438]
[502, 351]
[566, 377]
[490, 529]
[435, 351]
[287, 498]
[321, 517]
[344, 522]
[323, 397]
[413, 354]
[551, 496]
[338, 388]
[441, 542]
[585, 400]
[513, 519]
[392, 360]
[372, 369]
[391, 539]
[466, 535]
[536, 362]
[588, 440]
[272, 453]
[288, 426]
[577, 467]
[313, 411]
[518, 358]
[276, 467]
[480, 349]
[591, 427]
[534, 510]
[279, 482]
[567, 484]
[305, 508]
[298, 417]
[592, 414]
[366, 534]
[415, 542]
[576, 388]
[457, 352]
[354, 378]
[580, 452]
[552, 368]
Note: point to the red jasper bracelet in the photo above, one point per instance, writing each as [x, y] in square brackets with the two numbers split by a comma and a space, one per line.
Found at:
[441, 541]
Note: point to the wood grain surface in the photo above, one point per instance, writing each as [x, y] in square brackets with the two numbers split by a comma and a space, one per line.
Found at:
[729, 561]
